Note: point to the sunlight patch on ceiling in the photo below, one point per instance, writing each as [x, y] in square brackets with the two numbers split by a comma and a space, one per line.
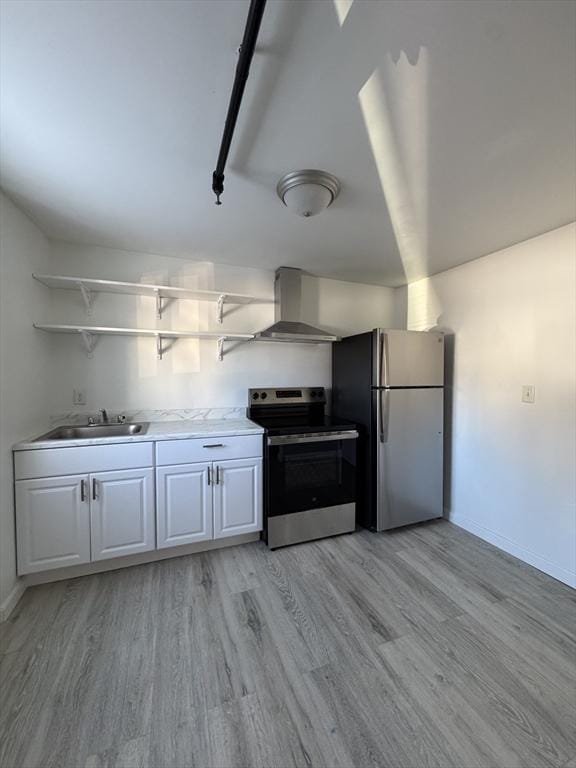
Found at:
[342, 8]
[394, 107]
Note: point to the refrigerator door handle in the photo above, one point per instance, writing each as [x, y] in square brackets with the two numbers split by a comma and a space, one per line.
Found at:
[384, 414]
[379, 383]
[384, 409]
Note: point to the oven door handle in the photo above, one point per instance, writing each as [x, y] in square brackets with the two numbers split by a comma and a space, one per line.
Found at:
[324, 437]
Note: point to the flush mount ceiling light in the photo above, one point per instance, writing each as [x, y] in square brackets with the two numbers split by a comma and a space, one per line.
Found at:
[309, 192]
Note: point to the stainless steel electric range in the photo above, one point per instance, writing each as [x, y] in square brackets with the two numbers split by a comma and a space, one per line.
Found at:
[309, 466]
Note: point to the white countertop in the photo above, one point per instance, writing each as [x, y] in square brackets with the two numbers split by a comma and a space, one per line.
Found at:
[157, 430]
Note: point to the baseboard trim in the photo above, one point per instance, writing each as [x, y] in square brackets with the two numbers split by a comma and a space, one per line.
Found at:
[12, 600]
[509, 546]
[72, 572]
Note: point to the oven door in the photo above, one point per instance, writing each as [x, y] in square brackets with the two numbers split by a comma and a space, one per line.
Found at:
[310, 471]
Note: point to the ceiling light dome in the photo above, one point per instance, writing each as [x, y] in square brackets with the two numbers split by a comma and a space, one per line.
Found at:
[308, 192]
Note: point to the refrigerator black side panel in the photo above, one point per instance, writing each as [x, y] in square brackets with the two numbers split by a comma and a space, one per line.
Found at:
[352, 401]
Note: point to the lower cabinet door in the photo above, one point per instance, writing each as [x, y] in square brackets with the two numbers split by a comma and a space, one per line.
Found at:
[183, 504]
[52, 523]
[122, 513]
[237, 497]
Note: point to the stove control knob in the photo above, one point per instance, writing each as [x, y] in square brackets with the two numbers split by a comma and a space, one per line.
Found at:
[263, 395]
[313, 393]
[255, 396]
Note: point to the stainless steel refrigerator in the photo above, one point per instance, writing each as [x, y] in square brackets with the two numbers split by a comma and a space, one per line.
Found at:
[391, 384]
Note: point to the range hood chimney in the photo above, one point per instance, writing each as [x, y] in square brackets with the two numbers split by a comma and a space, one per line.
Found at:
[288, 312]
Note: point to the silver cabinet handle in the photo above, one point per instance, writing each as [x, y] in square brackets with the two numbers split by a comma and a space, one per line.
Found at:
[214, 445]
[219, 476]
[209, 475]
[83, 490]
[94, 489]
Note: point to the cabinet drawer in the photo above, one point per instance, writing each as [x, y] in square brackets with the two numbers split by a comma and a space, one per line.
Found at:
[52, 462]
[207, 449]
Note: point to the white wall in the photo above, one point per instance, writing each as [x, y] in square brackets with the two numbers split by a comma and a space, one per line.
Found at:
[24, 367]
[125, 374]
[511, 477]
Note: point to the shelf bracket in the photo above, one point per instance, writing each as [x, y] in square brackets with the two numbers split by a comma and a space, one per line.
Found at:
[159, 350]
[88, 297]
[221, 341]
[89, 342]
[159, 306]
[220, 307]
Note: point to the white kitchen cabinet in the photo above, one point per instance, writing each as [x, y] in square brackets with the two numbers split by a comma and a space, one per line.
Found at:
[237, 497]
[53, 523]
[81, 504]
[122, 513]
[208, 500]
[77, 519]
[183, 504]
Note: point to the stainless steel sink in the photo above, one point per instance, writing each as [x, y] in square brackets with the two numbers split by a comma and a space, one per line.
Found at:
[94, 430]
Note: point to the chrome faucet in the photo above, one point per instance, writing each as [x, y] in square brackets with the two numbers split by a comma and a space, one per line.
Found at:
[104, 415]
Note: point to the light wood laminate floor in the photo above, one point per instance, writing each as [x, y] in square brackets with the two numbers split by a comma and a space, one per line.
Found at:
[423, 647]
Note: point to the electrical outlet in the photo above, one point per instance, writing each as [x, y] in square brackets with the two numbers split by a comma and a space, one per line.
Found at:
[79, 397]
[528, 393]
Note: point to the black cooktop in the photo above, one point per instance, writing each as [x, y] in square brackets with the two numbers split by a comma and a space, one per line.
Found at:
[292, 411]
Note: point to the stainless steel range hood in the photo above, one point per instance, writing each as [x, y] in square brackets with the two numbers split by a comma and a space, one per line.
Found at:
[288, 312]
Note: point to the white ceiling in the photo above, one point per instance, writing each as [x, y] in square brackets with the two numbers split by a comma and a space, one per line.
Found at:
[450, 124]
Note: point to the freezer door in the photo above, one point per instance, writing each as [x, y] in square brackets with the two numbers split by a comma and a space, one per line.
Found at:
[409, 451]
[408, 358]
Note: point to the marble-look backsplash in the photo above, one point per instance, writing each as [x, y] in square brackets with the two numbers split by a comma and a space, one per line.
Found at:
[177, 414]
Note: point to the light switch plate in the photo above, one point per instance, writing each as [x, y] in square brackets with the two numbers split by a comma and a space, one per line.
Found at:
[79, 397]
[528, 393]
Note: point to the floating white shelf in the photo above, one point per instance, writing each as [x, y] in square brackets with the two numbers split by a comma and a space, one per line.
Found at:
[89, 286]
[90, 334]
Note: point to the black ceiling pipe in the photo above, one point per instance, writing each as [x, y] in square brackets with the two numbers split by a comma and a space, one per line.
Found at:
[242, 70]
